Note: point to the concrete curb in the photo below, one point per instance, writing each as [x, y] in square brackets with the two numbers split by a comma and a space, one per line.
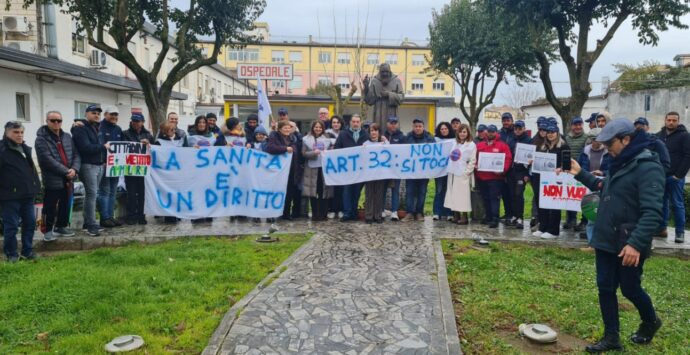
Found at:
[447, 310]
[219, 335]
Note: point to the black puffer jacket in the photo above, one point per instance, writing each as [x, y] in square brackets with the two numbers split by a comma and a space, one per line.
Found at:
[18, 175]
[678, 144]
[53, 170]
[132, 135]
[90, 148]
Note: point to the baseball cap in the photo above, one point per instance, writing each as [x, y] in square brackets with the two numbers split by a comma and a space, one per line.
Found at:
[282, 111]
[552, 127]
[417, 120]
[455, 119]
[481, 128]
[506, 116]
[111, 109]
[392, 119]
[491, 128]
[641, 120]
[520, 124]
[93, 108]
[615, 128]
[543, 125]
[592, 117]
[137, 117]
[576, 120]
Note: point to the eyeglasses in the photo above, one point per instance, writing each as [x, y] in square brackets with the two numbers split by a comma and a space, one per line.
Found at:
[55, 121]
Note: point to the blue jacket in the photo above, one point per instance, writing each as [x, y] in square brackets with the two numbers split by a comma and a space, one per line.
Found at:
[109, 132]
[426, 137]
[89, 146]
[396, 137]
[583, 160]
[658, 146]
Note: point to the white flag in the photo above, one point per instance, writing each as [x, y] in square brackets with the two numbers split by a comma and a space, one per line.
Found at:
[264, 106]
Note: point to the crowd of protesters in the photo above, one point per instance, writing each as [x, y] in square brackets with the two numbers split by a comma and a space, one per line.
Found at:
[63, 158]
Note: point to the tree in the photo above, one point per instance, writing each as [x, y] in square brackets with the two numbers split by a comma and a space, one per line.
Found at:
[118, 21]
[520, 94]
[335, 92]
[649, 75]
[478, 47]
[572, 21]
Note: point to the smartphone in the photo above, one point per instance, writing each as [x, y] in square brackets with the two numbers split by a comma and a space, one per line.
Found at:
[565, 160]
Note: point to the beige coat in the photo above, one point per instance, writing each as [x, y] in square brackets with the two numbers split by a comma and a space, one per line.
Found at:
[458, 192]
[311, 174]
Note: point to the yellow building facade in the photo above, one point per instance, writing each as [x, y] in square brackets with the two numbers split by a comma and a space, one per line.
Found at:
[341, 64]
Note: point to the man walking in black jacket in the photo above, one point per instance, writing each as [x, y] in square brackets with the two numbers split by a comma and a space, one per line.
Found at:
[351, 137]
[60, 163]
[677, 141]
[19, 185]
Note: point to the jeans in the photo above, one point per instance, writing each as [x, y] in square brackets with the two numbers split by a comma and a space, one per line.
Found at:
[351, 200]
[12, 212]
[395, 196]
[491, 194]
[440, 197]
[106, 197]
[610, 275]
[589, 230]
[674, 192]
[91, 176]
[415, 195]
[56, 205]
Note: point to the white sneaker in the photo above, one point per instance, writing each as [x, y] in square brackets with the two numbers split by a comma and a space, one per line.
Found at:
[449, 218]
[394, 216]
[330, 215]
[309, 214]
[435, 217]
[548, 235]
[340, 215]
[537, 234]
[386, 213]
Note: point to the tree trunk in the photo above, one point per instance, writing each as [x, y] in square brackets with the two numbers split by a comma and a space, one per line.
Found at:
[156, 101]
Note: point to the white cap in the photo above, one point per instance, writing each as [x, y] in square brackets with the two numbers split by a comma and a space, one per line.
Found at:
[111, 109]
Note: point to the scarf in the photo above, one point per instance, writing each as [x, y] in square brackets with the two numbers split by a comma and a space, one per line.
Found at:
[355, 134]
[638, 142]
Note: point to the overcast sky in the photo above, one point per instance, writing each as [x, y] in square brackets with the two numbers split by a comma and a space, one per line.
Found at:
[393, 20]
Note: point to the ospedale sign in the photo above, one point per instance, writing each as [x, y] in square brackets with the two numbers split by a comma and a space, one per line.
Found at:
[265, 71]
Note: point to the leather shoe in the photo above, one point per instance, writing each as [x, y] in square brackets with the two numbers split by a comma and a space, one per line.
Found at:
[607, 343]
[645, 332]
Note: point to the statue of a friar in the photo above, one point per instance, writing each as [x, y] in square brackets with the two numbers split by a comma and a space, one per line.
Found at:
[385, 92]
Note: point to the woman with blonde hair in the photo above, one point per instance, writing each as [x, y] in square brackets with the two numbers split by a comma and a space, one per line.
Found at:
[463, 157]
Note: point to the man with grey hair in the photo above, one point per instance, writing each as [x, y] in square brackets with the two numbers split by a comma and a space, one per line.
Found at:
[19, 185]
[59, 162]
[324, 117]
[385, 92]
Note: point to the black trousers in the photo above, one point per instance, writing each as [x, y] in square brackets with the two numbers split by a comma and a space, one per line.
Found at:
[135, 197]
[293, 199]
[550, 221]
[56, 205]
[335, 204]
[517, 191]
[534, 180]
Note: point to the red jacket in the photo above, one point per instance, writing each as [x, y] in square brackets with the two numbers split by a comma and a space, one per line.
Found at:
[497, 146]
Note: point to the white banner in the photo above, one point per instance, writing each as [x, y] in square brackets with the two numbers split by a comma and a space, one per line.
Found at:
[390, 161]
[216, 182]
[560, 192]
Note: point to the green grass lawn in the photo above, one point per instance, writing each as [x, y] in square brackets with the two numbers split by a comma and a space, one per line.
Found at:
[173, 294]
[496, 290]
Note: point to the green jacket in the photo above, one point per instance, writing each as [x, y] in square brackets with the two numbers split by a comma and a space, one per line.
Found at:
[576, 143]
[634, 195]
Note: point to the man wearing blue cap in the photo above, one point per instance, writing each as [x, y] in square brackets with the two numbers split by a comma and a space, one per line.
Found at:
[135, 184]
[109, 132]
[629, 212]
[576, 140]
[657, 146]
[592, 120]
[481, 134]
[517, 178]
[92, 152]
[491, 183]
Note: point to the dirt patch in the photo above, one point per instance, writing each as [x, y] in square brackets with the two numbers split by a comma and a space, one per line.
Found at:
[565, 344]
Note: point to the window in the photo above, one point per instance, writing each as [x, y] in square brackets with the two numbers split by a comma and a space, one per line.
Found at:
[417, 84]
[372, 58]
[392, 58]
[438, 85]
[344, 83]
[417, 60]
[78, 40]
[244, 55]
[324, 80]
[277, 56]
[296, 82]
[324, 57]
[295, 57]
[80, 108]
[278, 84]
[343, 58]
[22, 106]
